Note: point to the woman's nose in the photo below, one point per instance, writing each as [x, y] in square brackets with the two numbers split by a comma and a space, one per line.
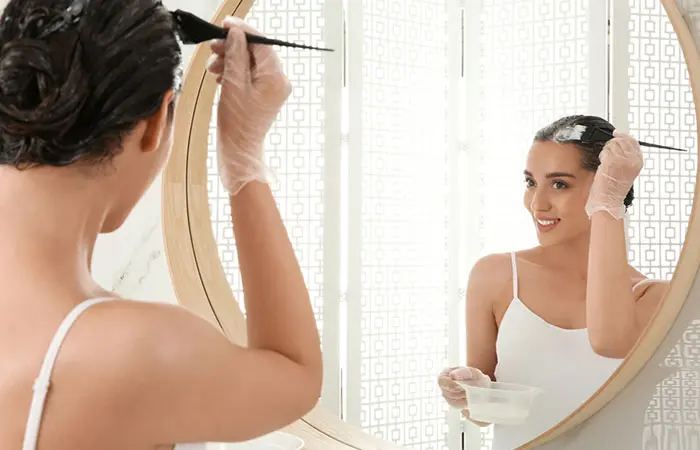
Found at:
[540, 201]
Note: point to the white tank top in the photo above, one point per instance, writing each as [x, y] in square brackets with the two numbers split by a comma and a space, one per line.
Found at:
[559, 361]
[41, 385]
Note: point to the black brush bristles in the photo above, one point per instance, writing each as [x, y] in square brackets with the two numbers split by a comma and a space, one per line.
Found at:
[191, 29]
[595, 134]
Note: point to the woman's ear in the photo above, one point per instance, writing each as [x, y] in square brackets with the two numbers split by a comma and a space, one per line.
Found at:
[156, 125]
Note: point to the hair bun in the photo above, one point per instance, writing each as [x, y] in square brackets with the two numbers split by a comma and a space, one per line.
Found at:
[42, 87]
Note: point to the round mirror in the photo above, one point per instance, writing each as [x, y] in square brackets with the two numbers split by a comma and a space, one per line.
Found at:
[406, 157]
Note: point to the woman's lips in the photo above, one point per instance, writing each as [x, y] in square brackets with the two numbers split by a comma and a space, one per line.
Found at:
[546, 225]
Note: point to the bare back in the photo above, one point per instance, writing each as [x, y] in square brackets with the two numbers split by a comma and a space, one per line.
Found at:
[77, 414]
[136, 375]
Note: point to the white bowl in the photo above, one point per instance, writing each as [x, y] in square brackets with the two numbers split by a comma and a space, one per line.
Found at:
[500, 403]
[273, 441]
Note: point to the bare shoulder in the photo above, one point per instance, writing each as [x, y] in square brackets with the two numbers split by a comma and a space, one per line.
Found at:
[647, 290]
[111, 364]
[127, 330]
[491, 267]
[650, 292]
[121, 341]
[140, 338]
[490, 276]
[150, 363]
[159, 374]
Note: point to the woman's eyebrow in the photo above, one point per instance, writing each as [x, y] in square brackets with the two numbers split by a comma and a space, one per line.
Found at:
[560, 175]
[553, 174]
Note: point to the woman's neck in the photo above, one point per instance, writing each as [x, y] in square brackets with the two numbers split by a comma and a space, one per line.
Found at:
[571, 255]
[48, 231]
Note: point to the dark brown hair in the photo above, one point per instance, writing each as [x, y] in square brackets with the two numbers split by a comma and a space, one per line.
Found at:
[590, 151]
[72, 94]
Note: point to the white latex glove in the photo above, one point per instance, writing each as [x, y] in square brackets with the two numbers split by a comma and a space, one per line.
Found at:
[621, 162]
[253, 90]
[452, 392]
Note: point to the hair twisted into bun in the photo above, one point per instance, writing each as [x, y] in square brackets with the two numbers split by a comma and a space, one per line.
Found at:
[73, 94]
[590, 151]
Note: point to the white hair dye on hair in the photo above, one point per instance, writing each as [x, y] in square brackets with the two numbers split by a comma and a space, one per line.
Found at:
[573, 133]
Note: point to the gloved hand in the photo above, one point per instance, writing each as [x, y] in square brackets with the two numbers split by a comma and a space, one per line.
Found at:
[452, 392]
[253, 90]
[621, 162]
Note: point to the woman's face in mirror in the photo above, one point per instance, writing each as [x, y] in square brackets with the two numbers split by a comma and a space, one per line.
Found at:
[556, 191]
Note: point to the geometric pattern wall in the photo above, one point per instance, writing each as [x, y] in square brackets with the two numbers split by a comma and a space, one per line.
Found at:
[398, 293]
[294, 148]
[401, 335]
[672, 418]
[534, 69]
[661, 110]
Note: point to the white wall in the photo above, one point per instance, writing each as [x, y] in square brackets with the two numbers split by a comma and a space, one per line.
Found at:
[131, 261]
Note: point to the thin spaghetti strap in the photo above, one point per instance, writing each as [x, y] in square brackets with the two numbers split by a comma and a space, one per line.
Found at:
[515, 275]
[645, 281]
[42, 382]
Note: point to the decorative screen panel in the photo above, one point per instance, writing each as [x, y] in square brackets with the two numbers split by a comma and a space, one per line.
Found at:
[294, 148]
[672, 419]
[661, 111]
[400, 313]
[535, 69]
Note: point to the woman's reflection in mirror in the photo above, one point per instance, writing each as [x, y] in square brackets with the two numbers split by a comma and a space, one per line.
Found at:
[560, 316]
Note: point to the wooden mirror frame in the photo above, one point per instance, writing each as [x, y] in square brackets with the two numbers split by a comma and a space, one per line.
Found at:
[200, 282]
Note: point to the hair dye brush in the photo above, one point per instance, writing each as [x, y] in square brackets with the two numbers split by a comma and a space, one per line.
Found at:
[189, 28]
[582, 133]
[193, 30]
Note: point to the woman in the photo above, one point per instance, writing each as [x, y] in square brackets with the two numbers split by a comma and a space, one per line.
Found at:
[560, 316]
[86, 116]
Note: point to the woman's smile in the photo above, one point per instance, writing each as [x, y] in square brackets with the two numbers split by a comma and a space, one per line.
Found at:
[545, 225]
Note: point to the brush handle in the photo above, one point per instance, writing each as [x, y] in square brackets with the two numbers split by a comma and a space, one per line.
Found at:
[222, 33]
[646, 144]
[257, 39]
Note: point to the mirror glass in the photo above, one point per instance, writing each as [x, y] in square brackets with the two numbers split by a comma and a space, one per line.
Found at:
[399, 163]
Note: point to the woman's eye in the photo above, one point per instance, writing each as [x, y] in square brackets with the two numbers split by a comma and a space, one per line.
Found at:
[559, 185]
[529, 182]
